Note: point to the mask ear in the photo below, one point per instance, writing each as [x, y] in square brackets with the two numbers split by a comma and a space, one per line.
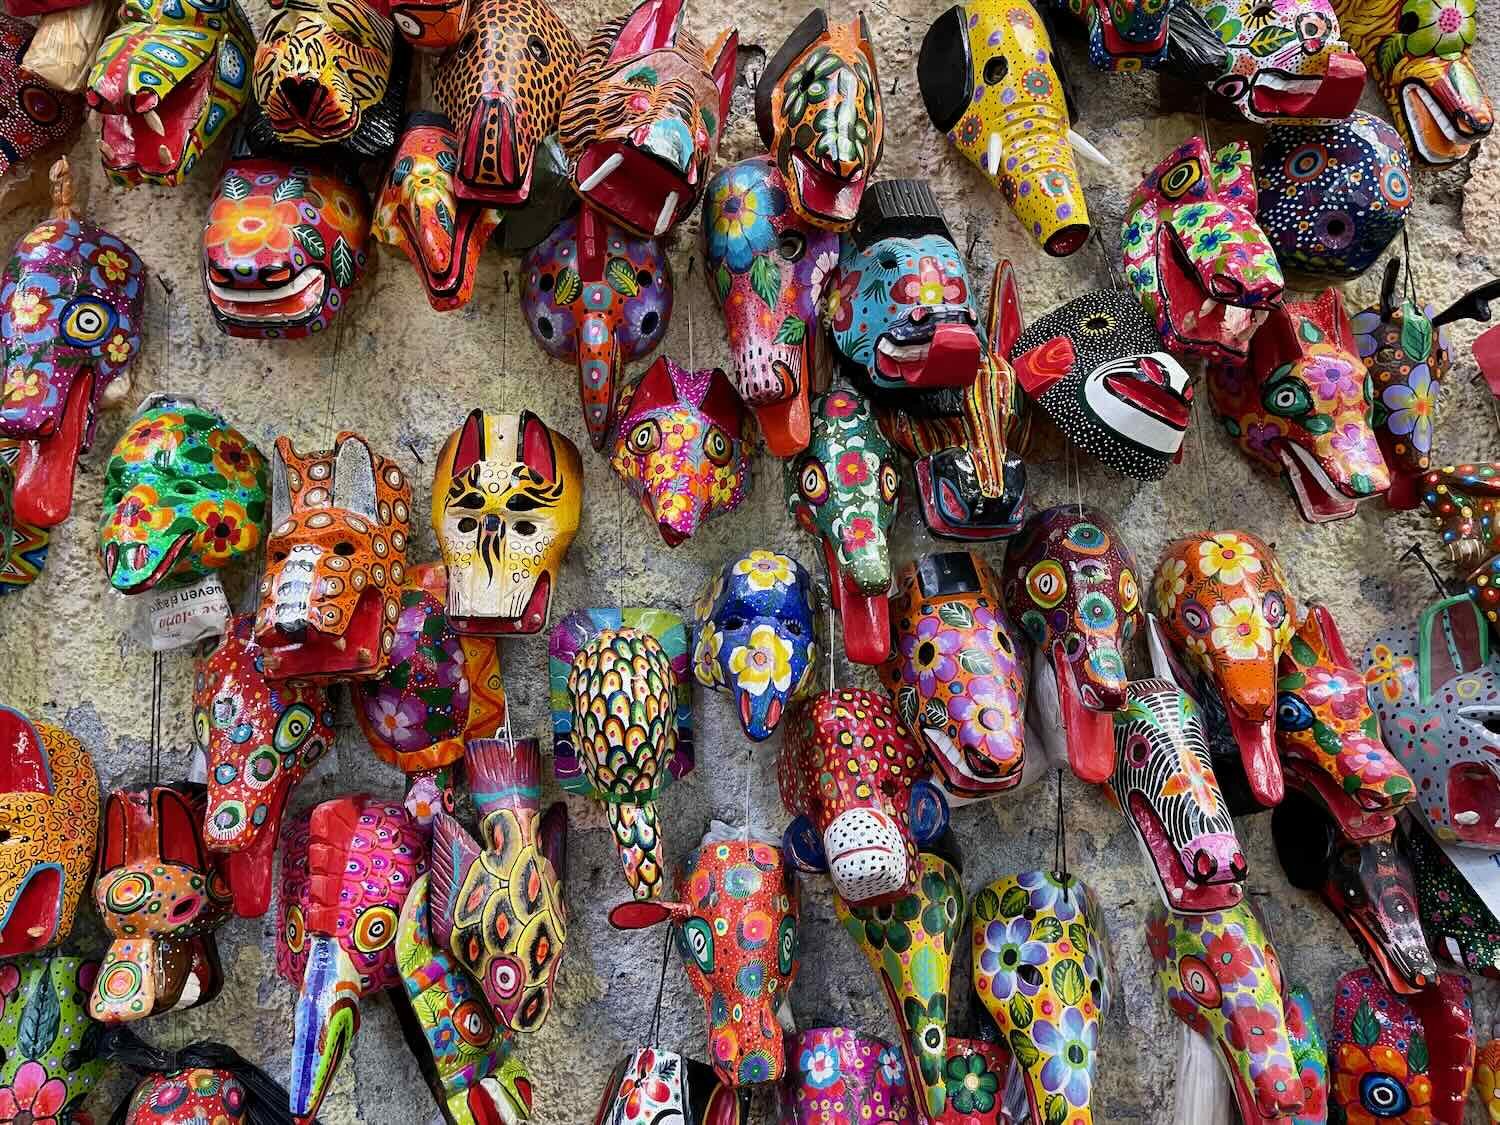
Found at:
[1304, 835]
[178, 837]
[1164, 663]
[1328, 633]
[643, 915]
[354, 477]
[1002, 321]
[803, 846]
[945, 69]
[1338, 316]
[1453, 640]
[536, 447]
[650, 27]
[928, 809]
[114, 833]
[281, 489]
[470, 450]
[1275, 342]
[808, 32]
[1045, 365]
[723, 73]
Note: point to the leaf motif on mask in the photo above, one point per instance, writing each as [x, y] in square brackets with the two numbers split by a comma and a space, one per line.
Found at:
[568, 286]
[1054, 1110]
[445, 218]
[311, 240]
[235, 187]
[1366, 1027]
[722, 282]
[1416, 337]
[976, 662]
[1269, 40]
[1048, 930]
[1020, 1011]
[621, 277]
[1417, 1056]
[1024, 1049]
[1068, 982]
[40, 1018]
[447, 160]
[343, 263]
[1014, 902]
[956, 614]
[290, 188]
[766, 281]
[793, 331]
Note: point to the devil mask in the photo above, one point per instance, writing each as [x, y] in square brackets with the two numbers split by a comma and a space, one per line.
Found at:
[507, 493]
[161, 897]
[600, 296]
[1457, 919]
[607, 666]
[34, 118]
[49, 815]
[48, 1041]
[166, 84]
[651, 1085]
[1194, 254]
[755, 637]
[336, 561]
[839, 1076]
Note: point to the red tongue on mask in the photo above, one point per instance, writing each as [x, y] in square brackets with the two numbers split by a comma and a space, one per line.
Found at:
[952, 361]
[1090, 734]
[249, 873]
[786, 425]
[45, 467]
[866, 617]
[1258, 752]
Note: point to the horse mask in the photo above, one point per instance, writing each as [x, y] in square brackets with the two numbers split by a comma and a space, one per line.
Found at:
[839, 1076]
[650, 1085]
[51, 1063]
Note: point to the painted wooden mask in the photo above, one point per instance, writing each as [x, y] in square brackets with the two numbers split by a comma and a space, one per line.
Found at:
[1070, 582]
[336, 561]
[735, 919]
[48, 1041]
[1130, 35]
[595, 294]
[768, 268]
[622, 723]
[1456, 916]
[651, 1085]
[201, 1082]
[643, 115]
[839, 1076]
[346, 869]
[34, 117]
[1195, 255]
[956, 674]
[989, 80]
[819, 113]
[284, 244]
[842, 489]
[755, 638]
[433, 26]
[1465, 499]
[161, 896]
[507, 494]
[72, 298]
[503, 86]
[23, 551]
[681, 447]
[49, 816]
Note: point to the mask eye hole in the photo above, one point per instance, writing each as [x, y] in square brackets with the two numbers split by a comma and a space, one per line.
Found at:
[538, 50]
[716, 446]
[1098, 324]
[344, 548]
[1410, 21]
[889, 262]
[644, 438]
[469, 41]
[793, 628]
[524, 527]
[546, 282]
[644, 278]
[649, 323]
[734, 624]
[791, 246]
[468, 524]
[995, 70]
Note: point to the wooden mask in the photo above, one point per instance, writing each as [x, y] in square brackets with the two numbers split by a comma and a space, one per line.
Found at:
[48, 1042]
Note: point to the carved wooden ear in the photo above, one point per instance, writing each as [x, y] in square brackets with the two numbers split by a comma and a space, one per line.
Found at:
[114, 832]
[1453, 641]
[723, 70]
[354, 477]
[812, 28]
[651, 26]
[471, 444]
[178, 837]
[281, 489]
[1275, 342]
[1338, 317]
[1003, 318]
[945, 69]
[537, 452]
[644, 915]
[1328, 634]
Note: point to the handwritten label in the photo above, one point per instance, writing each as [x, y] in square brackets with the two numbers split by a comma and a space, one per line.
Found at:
[187, 614]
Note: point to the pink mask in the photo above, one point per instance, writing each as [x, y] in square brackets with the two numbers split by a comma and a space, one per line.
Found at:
[838, 1076]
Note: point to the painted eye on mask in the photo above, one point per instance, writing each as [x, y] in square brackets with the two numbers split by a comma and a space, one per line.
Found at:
[1274, 607]
[716, 446]
[995, 70]
[812, 483]
[644, 438]
[293, 727]
[261, 768]
[1292, 713]
[1194, 617]
[1181, 179]
[201, 729]
[889, 483]
[792, 245]
[537, 49]
[699, 940]
[86, 321]
[1287, 398]
[375, 929]
[1200, 982]
[1046, 583]
[472, 1025]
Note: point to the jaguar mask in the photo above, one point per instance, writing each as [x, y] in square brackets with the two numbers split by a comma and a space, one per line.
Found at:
[507, 495]
[51, 1064]
[599, 296]
[642, 118]
[622, 723]
[161, 896]
[35, 119]
[768, 269]
[167, 83]
[956, 674]
[503, 86]
[1195, 255]
[1070, 582]
[1456, 916]
[49, 816]
[651, 1085]
[819, 113]
[755, 637]
[336, 561]
[839, 1076]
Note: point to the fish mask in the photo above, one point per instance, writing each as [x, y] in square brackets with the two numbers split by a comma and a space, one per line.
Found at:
[49, 815]
[35, 118]
[161, 896]
[991, 81]
[839, 1076]
[72, 298]
[735, 919]
[503, 86]
[1223, 602]
[651, 1085]
[184, 494]
[1194, 254]
[642, 117]
[51, 1064]
[604, 666]
[284, 244]
[507, 493]
[498, 906]
[1456, 916]
[680, 447]
[346, 870]
[598, 295]
[768, 268]
[855, 784]
[1418, 53]
[336, 561]
[819, 113]
[755, 637]
[1122, 398]
[1070, 583]
[955, 673]
[843, 489]
[166, 83]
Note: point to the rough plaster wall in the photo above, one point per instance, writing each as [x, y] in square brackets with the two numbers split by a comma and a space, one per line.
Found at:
[405, 376]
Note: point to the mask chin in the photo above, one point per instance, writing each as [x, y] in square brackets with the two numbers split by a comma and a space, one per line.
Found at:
[1474, 804]
[1179, 891]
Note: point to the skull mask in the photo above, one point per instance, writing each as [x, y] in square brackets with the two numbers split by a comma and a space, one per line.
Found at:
[35, 119]
[506, 497]
[1457, 918]
[650, 1084]
[50, 1065]
[868, 1083]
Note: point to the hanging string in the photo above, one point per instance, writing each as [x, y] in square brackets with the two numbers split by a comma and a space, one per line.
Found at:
[1210, 496]
[653, 1035]
[1411, 268]
[831, 653]
[1060, 837]
[153, 758]
[1109, 260]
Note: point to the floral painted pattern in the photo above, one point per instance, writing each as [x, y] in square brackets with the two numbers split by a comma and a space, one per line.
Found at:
[46, 1036]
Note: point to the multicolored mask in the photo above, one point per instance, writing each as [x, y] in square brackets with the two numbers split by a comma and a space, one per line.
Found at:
[1129, 35]
[161, 897]
[49, 814]
[1223, 602]
[433, 26]
[736, 924]
[1309, 1052]
[989, 81]
[643, 115]
[755, 637]
[72, 298]
[184, 494]
[956, 675]
[842, 489]
[839, 1076]
[1418, 54]
[1070, 583]
[283, 245]
[855, 783]
[1194, 254]
[596, 294]
[336, 561]
[503, 86]
[1122, 399]
[818, 109]
[200, 1082]
[1457, 919]
[1487, 1079]
[622, 722]
[1465, 499]
[34, 117]
[651, 1085]
[507, 493]
[47, 1040]
[346, 870]
[23, 547]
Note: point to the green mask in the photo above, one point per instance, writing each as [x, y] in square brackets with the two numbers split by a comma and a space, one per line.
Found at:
[47, 1040]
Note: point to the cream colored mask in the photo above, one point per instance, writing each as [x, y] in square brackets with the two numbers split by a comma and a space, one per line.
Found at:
[506, 497]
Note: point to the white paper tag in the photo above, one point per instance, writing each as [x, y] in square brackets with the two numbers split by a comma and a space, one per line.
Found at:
[1480, 867]
[186, 614]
